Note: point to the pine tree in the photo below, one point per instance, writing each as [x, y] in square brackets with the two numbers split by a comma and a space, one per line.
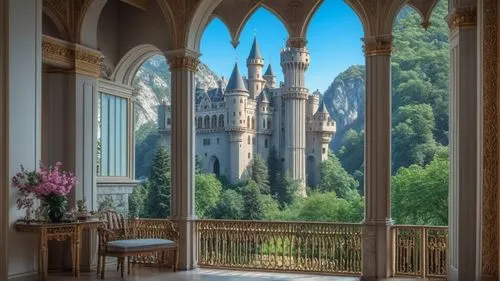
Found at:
[260, 174]
[274, 171]
[252, 203]
[158, 200]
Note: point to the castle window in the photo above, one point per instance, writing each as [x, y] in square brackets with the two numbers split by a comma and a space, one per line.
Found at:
[207, 122]
[324, 150]
[168, 121]
[234, 113]
[249, 155]
[200, 122]
[241, 100]
[218, 140]
[221, 120]
[248, 121]
[268, 123]
[240, 113]
[214, 121]
[265, 143]
[264, 123]
[253, 123]
[206, 141]
[248, 139]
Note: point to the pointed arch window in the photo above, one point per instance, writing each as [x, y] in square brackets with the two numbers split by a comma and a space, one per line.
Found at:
[199, 124]
[248, 121]
[214, 121]
[253, 122]
[221, 121]
[207, 122]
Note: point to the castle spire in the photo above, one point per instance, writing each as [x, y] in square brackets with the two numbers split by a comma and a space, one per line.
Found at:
[236, 82]
[269, 71]
[255, 52]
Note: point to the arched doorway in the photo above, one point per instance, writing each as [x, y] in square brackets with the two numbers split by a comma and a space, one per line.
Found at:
[215, 165]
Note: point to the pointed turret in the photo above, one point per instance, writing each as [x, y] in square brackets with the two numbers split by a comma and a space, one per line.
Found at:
[322, 108]
[236, 82]
[269, 71]
[255, 52]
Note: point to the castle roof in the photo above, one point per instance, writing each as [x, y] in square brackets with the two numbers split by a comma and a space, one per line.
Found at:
[269, 71]
[236, 82]
[263, 96]
[322, 108]
[255, 52]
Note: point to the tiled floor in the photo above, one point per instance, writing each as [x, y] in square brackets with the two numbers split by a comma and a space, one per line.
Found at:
[152, 274]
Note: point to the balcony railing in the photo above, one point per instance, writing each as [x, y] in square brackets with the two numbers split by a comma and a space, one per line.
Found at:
[420, 251]
[283, 246]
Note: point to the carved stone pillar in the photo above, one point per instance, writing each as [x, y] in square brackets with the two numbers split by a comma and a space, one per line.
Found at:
[488, 87]
[376, 234]
[463, 242]
[69, 127]
[183, 64]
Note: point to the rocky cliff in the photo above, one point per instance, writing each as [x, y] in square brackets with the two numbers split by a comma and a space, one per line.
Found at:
[152, 83]
[344, 100]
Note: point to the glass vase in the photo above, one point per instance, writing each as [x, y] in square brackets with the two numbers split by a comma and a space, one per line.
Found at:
[55, 206]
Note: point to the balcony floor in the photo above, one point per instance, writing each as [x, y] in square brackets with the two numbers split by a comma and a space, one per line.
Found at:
[154, 274]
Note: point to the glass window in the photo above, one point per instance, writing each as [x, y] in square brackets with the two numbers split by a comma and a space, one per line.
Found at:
[112, 156]
[206, 141]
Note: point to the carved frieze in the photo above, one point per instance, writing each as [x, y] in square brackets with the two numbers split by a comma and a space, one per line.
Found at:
[378, 46]
[71, 57]
[462, 18]
[69, 13]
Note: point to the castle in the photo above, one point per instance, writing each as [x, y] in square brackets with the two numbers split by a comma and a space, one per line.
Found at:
[251, 115]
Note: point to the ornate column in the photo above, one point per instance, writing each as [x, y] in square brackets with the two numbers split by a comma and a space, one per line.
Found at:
[69, 128]
[463, 240]
[376, 235]
[183, 64]
[488, 87]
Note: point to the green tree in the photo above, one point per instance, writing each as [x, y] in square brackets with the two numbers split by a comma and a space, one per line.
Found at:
[207, 193]
[420, 194]
[274, 171]
[137, 200]
[230, 206]
[413, 140]
[351, 153]
[335, 179]
[252, 203]
[158, 200]
[260, 174]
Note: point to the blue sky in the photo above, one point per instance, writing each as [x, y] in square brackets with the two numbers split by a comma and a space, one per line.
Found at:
[334, 41]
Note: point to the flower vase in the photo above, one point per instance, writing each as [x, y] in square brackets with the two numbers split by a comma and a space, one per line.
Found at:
[56, 207]
[27, 217]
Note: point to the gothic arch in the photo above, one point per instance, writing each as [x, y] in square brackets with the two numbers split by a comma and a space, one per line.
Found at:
[310, 15]
[87, 28]
[55, 21]
[215, 165]
[236, 28]
[129, 64]
[424, 9]
[198, 22]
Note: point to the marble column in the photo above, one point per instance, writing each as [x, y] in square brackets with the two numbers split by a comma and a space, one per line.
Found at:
[4, 173]
[377, 223]
[22, 125]
[183, 64]
[463, 242]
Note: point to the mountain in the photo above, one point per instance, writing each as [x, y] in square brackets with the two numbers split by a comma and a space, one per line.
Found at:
[344, 100]
[152, 83]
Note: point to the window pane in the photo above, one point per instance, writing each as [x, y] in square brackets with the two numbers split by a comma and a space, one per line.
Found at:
[112, 136]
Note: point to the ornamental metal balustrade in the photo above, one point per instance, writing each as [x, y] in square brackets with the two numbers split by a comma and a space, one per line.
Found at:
[332, 248]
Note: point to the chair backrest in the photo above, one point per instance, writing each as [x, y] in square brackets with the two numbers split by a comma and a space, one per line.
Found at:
[116, 222]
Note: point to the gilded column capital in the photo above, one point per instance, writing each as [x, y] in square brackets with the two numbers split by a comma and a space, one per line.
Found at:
[377, 46]
[462, 17]
[183, 59]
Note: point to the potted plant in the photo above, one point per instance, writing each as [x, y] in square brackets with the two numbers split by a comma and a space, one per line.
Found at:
[26, 181]
[81, 210]
[53, 189]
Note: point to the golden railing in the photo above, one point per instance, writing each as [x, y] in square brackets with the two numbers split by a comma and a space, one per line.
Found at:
[419, 251]
[282, 246]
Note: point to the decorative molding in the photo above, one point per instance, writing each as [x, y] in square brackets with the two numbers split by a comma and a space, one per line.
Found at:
[464, 17]
[296, 42]
[70, 14]
[490, 162]
[378, 46]
[114, 88]
[184, 62]
[71, 57]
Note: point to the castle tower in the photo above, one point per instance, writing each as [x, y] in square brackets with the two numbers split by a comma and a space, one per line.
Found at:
[236, 99]
[270, 77]
[312, 104]
[255, 63]
[321, 129]
[294, 61]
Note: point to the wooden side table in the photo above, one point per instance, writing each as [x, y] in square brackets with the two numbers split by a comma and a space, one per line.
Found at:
[71, 232]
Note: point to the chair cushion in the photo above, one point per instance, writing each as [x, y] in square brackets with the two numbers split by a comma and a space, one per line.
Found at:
[139, 245]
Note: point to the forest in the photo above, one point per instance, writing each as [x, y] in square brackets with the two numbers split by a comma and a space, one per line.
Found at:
[420, 65]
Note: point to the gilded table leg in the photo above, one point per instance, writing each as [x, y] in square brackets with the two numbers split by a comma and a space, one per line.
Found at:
[73, 255]
[78, 248]
[45, 255]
